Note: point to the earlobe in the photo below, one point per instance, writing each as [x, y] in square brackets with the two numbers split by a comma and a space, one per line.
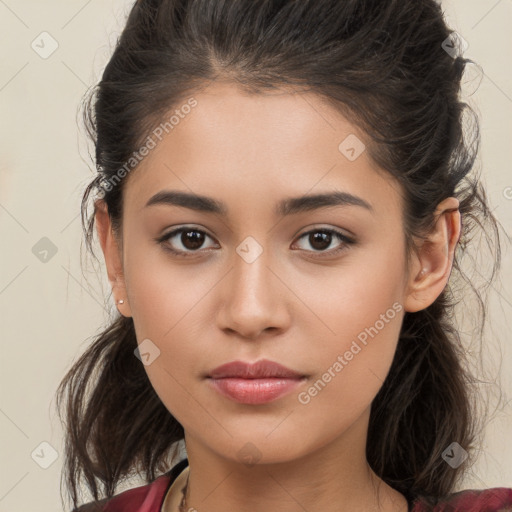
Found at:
[112, 254]
[432, 263]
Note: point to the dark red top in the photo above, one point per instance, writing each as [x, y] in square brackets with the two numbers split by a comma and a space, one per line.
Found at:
[150, 498]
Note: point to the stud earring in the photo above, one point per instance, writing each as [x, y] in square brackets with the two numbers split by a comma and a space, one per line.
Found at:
[121, 301]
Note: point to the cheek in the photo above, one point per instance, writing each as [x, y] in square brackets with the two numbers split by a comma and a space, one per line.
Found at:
[163, 295]
[363, 314]
[349, 299]
[165, 302]
[370, 286]
[352, 366]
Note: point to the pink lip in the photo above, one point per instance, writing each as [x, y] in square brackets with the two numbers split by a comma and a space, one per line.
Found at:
[258, 383]
[254, 391]
[261, 369]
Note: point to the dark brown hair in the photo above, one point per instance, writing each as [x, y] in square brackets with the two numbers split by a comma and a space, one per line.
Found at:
[383, 64]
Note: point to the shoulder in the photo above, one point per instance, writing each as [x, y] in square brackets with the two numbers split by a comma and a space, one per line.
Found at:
[496, 499]
[145, 498]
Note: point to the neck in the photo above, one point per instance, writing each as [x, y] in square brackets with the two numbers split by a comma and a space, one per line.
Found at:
[335, 475]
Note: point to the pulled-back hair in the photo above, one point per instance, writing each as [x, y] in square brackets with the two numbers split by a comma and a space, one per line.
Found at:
[383, 65]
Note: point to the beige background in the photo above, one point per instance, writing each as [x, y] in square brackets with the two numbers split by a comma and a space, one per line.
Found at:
[50, 310]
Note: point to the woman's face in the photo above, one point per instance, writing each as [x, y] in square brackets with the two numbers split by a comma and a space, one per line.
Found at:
[254, 282]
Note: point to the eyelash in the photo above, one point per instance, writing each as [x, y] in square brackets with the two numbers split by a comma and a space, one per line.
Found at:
[347, 242]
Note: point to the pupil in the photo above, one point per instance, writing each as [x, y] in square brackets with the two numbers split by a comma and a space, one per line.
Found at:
[194, 237]
[322, 237]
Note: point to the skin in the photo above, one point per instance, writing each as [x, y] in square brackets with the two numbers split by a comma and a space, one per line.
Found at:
[250, 152]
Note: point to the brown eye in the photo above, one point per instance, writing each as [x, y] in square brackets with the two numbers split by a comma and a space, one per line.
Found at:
[184, 241]
[192, 239]
[321, 239]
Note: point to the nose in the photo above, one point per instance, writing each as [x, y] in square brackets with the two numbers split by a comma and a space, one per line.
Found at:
[253, 299]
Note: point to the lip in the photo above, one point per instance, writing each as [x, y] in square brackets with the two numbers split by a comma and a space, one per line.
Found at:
[255, 391]
[259, 370]
[257, 383]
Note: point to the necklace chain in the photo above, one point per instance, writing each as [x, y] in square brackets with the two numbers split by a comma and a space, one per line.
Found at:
[183, 503]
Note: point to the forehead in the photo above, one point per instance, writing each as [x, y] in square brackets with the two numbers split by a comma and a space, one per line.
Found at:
[282, 142]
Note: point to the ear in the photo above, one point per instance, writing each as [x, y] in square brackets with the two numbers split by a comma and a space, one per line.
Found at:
[112, 254]
[431, 265]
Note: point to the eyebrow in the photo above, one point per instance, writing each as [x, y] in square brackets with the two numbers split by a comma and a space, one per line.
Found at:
[289, 206]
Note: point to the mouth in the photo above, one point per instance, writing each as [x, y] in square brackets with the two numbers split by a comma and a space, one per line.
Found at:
[260, 370]
[258, 383]
[255, 391]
